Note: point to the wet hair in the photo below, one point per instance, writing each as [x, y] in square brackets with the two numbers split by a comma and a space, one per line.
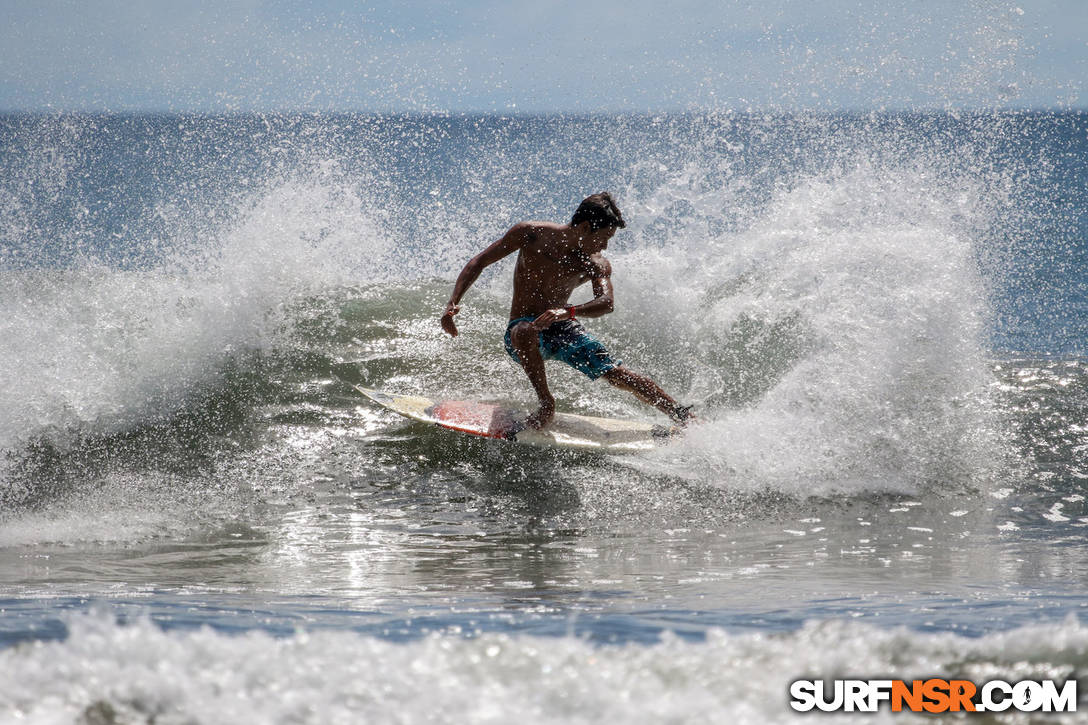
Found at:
[600, 211]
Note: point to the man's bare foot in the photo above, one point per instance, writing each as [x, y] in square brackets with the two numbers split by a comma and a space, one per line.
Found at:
[682, 415]
[542, 416]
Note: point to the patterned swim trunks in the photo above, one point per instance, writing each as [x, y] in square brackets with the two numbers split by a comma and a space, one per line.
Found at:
[569, 342]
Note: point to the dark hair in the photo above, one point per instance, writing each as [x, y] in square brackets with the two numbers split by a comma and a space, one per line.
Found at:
[600, 211]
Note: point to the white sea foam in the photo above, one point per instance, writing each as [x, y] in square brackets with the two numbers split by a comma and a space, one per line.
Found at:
[100, 349]
[139, 672]
[834, 342]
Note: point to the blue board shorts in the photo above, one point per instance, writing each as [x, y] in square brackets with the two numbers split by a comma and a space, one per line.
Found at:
[568, 342]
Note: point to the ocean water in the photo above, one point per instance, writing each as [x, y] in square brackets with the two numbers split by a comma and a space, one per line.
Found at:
[879, 317]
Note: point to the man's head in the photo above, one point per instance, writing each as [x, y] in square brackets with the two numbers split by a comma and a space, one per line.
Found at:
[600, 211]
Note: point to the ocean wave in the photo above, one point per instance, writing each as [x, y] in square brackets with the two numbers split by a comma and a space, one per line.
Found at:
[814, 285]
[98, 349]
[106, 671]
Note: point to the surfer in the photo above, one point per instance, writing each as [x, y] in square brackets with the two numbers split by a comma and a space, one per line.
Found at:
[554, 260]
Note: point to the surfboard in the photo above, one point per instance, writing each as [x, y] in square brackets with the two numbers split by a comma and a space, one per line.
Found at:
[488, 420]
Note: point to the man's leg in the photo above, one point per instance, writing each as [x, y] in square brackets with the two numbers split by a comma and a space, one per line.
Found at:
[648, 391]
[526, 342]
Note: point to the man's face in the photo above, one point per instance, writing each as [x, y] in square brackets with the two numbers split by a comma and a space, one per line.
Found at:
[598, 241]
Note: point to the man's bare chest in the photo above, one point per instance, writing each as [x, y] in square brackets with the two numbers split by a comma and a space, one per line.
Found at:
[541, 269]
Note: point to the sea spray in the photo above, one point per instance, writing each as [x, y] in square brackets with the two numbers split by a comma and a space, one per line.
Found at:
[818, 284]
[835, 342]
[96, 349]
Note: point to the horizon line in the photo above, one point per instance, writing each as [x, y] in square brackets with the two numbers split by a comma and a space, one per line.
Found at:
[521, 112]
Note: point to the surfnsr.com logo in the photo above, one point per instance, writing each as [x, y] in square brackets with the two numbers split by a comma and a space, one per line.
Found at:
[933, 695]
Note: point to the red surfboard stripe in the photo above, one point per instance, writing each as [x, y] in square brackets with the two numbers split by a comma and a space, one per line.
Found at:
[467, 417]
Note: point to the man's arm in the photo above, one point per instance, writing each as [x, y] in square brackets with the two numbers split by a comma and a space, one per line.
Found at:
[511, 242]
[601, 304]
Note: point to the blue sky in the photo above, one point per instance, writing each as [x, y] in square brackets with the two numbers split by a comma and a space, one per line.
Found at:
[545, 55]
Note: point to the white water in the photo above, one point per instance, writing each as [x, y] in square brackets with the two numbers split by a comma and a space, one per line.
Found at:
[138, 671]
[100, 350]
[836, 343]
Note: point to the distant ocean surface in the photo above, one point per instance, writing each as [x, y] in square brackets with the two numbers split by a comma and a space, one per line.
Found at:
[882, 320]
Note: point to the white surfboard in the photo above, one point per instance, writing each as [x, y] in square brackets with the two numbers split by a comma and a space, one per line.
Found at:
[487, 420]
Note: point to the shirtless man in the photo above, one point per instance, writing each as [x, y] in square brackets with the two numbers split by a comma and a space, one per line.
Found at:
[553, 260]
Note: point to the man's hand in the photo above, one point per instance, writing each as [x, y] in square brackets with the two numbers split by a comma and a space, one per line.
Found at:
[447, 319]
[545, 320]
